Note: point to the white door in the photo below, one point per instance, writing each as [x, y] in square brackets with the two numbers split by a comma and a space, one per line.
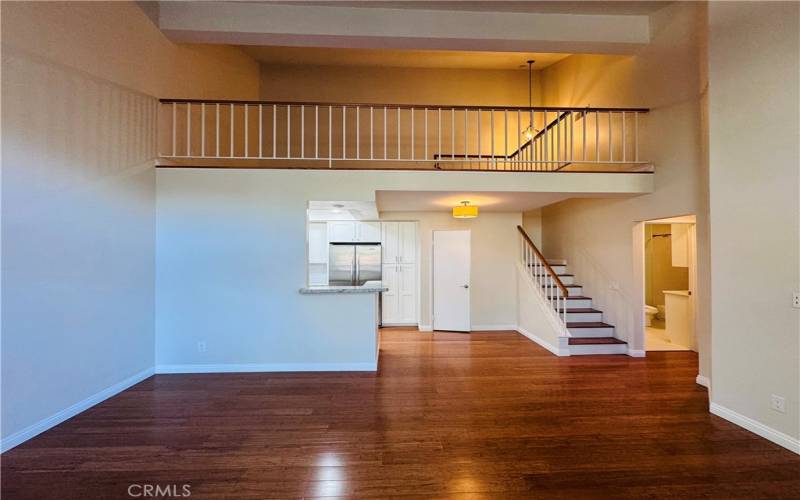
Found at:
[451, 258]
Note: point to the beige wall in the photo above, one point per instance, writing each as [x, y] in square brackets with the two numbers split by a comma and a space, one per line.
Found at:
[117, 42]
[532, 223]
[79, 89]
[595, 235]
[755, 217]
[494, 244]
[660, 274]
[397, 85]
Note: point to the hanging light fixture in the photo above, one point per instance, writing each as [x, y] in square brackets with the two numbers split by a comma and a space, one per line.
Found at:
[530, 132]
[465, 211]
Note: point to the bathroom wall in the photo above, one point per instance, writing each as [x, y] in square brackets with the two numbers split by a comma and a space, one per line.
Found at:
[660, 274]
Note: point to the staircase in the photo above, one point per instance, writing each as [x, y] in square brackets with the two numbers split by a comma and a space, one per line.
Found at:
[581, 327]
[588, 333]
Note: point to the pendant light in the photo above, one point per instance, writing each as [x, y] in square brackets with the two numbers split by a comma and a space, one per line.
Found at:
[530, 132]
[465, 211]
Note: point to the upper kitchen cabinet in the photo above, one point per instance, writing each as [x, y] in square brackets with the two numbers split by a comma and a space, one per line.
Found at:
[368, 231]
[354, 231]
[399, 241]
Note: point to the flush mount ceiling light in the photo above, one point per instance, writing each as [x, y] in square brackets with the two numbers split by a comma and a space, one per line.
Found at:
[465, 211]
[530, 132]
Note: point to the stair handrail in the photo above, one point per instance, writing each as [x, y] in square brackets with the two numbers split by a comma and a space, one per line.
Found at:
[544, 277]
[549, 269]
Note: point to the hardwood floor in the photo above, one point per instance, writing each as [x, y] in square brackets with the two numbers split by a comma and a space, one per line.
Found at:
[486, 415]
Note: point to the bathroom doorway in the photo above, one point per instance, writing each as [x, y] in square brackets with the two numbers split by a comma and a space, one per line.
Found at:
[669, 283]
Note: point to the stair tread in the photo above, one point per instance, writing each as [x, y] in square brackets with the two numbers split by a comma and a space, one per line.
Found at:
[589, 324]
[578, 297]
[582, 310]
[595, 340]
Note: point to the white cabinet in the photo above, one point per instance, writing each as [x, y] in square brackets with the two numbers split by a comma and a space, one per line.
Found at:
[368, 231]
[317, 253]
[399, 241]
[399, 244]
[680, 245]
[399, 303]
[342, 231]
[348, 231]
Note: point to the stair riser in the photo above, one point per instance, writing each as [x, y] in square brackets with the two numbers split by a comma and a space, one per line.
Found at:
[578, 303]
[584, 317]
[567, 280]
[573, 290]
[582, 350]
[584, 333]
[559, 269]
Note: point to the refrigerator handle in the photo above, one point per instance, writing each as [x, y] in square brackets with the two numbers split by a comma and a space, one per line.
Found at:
[354, 278]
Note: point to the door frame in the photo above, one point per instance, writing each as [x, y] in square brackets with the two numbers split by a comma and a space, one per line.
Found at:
[433, 274]
[639, 348]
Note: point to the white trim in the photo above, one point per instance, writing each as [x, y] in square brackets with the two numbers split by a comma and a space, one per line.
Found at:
[425, 328]
[270, 367]
[777, 437]
[492, 328]
[704, 381]
[37, 428]
[398, 324]
[563, 342]
[636, 353]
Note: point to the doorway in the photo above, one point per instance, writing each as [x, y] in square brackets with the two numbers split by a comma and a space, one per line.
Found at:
[451, 280]
[669, 250]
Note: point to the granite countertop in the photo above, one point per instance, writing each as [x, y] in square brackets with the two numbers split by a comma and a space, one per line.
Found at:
[368, 287]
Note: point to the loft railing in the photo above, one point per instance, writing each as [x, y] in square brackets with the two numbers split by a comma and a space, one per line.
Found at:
[546, 281]
[316, 135]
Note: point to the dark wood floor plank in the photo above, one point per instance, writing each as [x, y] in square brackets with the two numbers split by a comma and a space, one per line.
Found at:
[482, 415]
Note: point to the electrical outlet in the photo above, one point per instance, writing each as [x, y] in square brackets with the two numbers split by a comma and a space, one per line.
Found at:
[201, 346]
[778, 403]
[796, 300]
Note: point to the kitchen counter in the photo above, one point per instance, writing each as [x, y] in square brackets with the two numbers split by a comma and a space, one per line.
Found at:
[368, 287]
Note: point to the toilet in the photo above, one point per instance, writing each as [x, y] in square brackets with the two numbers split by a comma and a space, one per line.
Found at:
[649, 313]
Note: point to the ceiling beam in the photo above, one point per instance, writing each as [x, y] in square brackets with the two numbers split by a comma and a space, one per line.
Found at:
[247, 23]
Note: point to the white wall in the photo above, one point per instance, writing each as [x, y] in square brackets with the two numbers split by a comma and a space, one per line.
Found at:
[494, 252]
[596, 235]
[78, 200]
[754, 98]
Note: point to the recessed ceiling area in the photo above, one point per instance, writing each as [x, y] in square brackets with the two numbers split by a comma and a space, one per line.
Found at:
[444, 201]
[615, 8]
[319, 56]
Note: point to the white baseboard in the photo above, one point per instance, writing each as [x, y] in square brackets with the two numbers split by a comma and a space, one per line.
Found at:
[559, 350]
[777, 437]
[425, 328]
[37, 428]
[270, 367]
[492, 328]
[636, 353]
[704, 381]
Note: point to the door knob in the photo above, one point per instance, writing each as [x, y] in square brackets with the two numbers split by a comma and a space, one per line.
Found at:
[465, 286]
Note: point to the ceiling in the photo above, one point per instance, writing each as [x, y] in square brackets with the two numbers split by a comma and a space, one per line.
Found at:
[342, 210]
[621, 8]
[444, 201]
[318, 56]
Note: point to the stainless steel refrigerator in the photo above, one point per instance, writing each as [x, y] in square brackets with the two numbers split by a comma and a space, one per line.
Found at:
[354, 263]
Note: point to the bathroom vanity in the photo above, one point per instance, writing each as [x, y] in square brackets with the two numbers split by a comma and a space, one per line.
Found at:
[678, 311]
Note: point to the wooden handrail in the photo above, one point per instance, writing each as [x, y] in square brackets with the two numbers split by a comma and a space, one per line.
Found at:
[550, 125]
[402, 106]
[549, 269]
